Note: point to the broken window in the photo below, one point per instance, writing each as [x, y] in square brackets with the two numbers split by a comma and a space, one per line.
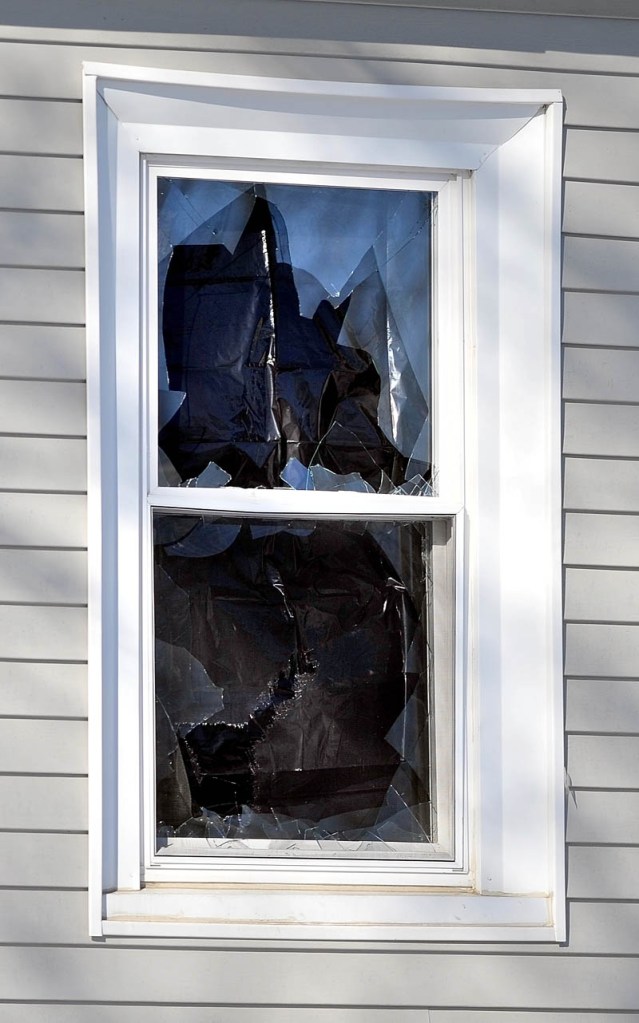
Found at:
[294, 336]
[294, 659]
[293, 668]
[466, 749]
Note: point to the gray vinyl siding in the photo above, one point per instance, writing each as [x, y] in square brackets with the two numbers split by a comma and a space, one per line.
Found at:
[311, 1014]
[49, 970]
[42, 351]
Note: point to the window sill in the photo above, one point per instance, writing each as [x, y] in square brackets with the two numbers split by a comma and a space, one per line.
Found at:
[251, 913]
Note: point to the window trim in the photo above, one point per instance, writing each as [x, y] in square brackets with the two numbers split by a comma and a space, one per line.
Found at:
[485, 137]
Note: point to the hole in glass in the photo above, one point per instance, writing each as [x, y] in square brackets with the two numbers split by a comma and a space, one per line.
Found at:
[293, 680]
[294, 345]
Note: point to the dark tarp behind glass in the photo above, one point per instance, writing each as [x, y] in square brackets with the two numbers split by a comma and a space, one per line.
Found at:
[294, 336]
[293, 658]
[292, 672]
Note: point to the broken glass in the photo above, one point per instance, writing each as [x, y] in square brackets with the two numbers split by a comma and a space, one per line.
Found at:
[294, 346]
[292, 679]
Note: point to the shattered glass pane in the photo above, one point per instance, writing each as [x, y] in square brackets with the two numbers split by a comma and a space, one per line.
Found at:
[294, 346]
[292, 675]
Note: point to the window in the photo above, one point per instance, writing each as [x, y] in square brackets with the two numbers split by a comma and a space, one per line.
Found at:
[324, 594]
[294, 666]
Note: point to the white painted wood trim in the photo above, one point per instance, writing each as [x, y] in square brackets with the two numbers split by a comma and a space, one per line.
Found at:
[557, 808]
[501, 369]
[96, 579]
[247, 83]
[303, 504]
[343, 916]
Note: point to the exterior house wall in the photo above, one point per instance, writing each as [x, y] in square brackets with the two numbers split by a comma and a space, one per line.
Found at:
[49, 970]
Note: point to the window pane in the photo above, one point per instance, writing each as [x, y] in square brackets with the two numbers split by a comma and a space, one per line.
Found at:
[293, 673]
[294, 343]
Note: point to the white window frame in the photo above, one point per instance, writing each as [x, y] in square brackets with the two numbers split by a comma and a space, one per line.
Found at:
[494, 157]
[447, 452]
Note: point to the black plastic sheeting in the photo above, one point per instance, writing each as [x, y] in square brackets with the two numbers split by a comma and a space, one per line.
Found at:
[292, 673]
[294, 326]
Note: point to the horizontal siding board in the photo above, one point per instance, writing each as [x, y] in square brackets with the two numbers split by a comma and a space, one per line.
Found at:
[602, 705]
[601, 264]
[43, 747]
[606, 156]
[45, 861]
[601, 484]
[604, 761]
[43, 407]
[41, 463]
[43, 633]
[606, 872]
[231, 1014]
[41, 239]
[26, 1013]
[42, 520]
[49, 1013]
[580, 8]
[120, 24]
[603, 818]
[598, 429]
[601, 208]
[42, 296]
[42, 351]
[602, 595]
[359, 979]
[43, 577]
[43, 917]
[33, 689]
[597, 927]
[602, 650]
[41, 183]
[601, 319]
[487, 1016]
[597, 374]
[35, 804]
[609, 540]
[30, 126]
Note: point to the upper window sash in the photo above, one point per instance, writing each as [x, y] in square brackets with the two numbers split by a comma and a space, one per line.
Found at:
[446, 399]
